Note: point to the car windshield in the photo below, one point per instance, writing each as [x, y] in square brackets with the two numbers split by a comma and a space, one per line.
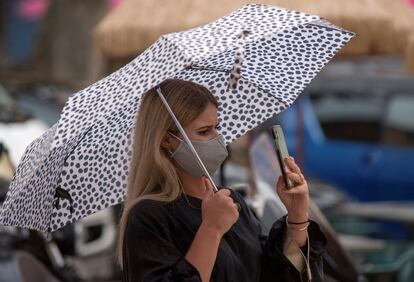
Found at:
[9, 110]
[349, 116]
[37, 103]
[399, 121]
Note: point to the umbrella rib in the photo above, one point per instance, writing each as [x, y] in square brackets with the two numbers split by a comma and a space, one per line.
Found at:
[228, 71]
[322, 25]
[208, 68]
[267, 92]
[83, 137]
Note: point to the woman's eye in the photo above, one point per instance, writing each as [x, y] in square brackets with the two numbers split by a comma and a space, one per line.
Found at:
[204, 132]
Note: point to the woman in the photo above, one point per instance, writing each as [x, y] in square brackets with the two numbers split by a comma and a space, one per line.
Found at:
[175, 228]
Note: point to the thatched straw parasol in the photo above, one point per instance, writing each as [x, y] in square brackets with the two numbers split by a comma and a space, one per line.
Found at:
[401, 15]
[135, 24]
[365, 17]
[383, 26]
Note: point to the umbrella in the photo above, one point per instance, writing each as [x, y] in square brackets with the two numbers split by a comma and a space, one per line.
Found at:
[80, 165]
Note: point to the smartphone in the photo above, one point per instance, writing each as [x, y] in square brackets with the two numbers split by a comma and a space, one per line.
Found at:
[281, 152]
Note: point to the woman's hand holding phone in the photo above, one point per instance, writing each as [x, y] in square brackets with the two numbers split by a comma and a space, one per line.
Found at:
[296, 201]
[296, 198]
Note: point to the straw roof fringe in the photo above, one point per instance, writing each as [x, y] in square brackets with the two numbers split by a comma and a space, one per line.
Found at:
[134, 25]
[382, 26]
[409, 55]
[401, 16]
[365, 17]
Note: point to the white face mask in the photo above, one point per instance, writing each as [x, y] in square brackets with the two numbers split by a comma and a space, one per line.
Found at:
[212, 153]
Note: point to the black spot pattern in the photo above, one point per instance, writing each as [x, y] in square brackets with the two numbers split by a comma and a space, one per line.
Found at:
[88, 151]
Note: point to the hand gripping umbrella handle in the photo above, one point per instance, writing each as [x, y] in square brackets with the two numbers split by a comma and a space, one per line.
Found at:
[187, 140]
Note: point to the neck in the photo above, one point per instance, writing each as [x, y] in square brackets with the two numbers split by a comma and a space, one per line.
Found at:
[193, 186]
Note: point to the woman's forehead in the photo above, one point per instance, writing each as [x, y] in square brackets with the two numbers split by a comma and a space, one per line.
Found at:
[207, 117]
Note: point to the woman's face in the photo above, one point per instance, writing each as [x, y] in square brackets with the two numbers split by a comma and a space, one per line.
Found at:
[203, 128]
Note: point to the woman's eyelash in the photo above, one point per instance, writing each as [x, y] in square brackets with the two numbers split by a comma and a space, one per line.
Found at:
[206, 131]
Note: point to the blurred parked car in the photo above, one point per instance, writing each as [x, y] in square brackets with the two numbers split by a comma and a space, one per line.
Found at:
[354, 128]
[25, 114]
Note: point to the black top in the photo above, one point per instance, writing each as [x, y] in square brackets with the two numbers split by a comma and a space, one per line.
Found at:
[158, 235]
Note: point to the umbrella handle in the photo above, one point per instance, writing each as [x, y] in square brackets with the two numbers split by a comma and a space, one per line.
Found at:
[187, 140]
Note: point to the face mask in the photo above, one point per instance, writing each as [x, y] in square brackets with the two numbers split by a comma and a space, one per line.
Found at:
[212, 153]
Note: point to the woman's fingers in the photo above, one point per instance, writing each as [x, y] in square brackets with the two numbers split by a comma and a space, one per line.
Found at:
[230, 201]
[292, 165]
[209, 188]
[280, 185]
[224, 191]
[300, 189]
[295, 177]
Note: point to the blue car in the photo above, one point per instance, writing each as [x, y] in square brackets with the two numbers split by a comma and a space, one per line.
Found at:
[354, 128]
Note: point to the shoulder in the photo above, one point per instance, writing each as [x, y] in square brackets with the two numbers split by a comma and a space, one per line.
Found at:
[148, 213]
[147, 205]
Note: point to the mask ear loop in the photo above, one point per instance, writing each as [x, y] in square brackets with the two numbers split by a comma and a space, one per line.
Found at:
[186, 139]
[175, 136]
[169, 132]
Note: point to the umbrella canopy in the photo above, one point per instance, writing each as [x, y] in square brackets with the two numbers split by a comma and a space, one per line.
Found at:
[81, 164]
[383, 26]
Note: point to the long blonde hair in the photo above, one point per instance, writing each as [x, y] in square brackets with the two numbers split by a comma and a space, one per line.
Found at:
[152, 175]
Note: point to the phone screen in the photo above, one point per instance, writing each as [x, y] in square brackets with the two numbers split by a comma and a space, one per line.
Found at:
[281, 152]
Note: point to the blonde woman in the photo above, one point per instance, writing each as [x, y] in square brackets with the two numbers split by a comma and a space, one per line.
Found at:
[175, 228]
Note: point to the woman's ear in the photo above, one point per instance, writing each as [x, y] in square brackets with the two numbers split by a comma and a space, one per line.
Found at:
[167, 142]
[170, 142]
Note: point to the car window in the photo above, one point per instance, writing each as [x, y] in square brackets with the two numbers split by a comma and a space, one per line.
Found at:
[9, 111]
[399, 121]
[349, 116]
[44, 104]
[5, 100]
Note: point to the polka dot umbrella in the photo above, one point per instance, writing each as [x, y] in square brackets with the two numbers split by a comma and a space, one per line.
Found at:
[256, 61]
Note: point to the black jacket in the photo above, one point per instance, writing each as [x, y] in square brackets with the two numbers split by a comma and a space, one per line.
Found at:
[158, 235]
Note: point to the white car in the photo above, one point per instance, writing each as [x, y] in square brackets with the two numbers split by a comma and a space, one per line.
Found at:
[23, 118]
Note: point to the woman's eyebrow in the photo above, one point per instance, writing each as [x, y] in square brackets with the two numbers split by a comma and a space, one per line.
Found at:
[207, 126]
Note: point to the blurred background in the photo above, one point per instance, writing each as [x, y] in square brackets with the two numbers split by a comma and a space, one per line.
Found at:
[351, 131]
